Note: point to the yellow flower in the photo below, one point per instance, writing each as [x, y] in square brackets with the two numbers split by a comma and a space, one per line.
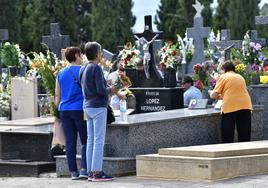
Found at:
[240, 68]
[264, 79]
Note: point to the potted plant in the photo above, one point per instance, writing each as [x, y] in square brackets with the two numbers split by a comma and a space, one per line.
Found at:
[10, 55]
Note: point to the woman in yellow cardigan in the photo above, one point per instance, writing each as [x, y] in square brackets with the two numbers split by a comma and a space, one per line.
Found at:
[236, 104]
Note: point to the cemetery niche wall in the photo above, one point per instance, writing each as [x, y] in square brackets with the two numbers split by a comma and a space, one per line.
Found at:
[151, 88]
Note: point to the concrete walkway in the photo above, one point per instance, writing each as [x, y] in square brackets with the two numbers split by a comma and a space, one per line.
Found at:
[51, 181]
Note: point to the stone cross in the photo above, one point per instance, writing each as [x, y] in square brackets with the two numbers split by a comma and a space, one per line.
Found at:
[254, 38]
[55, 41]
[3, 37]
[198, 33]
[156, 78]
[261, 20]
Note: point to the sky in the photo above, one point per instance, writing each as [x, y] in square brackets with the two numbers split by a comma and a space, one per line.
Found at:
[149, 7]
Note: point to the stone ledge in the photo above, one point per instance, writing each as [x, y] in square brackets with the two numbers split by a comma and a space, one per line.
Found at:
[115, 166]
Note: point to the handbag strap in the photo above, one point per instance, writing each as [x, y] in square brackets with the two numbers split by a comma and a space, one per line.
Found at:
[75, 79]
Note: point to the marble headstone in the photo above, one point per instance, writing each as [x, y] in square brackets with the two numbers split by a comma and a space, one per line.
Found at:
[23, 98]
[261, 20]
[55, 41]
[198, 33]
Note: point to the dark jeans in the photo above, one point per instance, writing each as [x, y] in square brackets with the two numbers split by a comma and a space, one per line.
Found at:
[72, 122]
[242, 120]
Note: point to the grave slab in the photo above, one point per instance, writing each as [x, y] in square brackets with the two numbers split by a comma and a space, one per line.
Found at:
[28, 122]
[19, 169]
[215, 162]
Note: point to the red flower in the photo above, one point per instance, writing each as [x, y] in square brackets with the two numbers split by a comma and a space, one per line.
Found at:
[133, 53]
[164, 50]
[199, 85]
[166, 58]
[128, 58]
[125, 62]
[162, 65]
[174, 53]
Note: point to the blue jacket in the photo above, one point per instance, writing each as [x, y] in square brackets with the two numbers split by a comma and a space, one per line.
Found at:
[94, 86]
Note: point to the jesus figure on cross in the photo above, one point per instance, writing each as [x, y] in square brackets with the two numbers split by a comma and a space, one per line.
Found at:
[146, 54]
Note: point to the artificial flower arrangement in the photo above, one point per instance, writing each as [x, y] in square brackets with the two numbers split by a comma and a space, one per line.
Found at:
[249, 60]
[170, 55]
[205, 75]
[11, 55]
[5, 97]
[130, 56]
[186, 47]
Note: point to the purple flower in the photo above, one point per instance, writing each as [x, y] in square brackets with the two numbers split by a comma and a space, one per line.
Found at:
[252, 44]
[255, 67]
[213, 82]
[257, 46]
[261, 57]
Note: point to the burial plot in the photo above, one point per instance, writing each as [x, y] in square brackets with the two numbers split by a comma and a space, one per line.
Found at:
[25, 147]
[207, 162]
[55, 41]
[23, 98]
[148, 86]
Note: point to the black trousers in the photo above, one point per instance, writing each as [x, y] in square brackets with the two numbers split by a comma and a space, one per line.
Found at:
[242, 120]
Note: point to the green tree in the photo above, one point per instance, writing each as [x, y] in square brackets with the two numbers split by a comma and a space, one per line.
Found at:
[174, 16]
[237, 15]
[111, 22]
[166, 18]
[9, 15]
[83, 19]
[221, 16]
[241, 17]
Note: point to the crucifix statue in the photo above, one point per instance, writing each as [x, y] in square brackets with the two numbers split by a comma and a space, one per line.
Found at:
[146, 53]
[224, 55]
[151, 76]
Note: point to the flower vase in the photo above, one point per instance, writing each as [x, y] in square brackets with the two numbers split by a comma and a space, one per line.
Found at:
[205, 95]
[255, 79]
[170, 77]
[179, 74]
[13, 71]
[132, 74]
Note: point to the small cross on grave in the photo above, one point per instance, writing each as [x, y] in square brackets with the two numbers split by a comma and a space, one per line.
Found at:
[55, 41]
[145, 39]
[254, 38]
[261, 20]
[198, 33]
[3, 37]
[226, 42]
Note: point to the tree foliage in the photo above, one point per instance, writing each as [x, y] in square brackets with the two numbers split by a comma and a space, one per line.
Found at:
[112, 21]
[238, 16]
[174, 16]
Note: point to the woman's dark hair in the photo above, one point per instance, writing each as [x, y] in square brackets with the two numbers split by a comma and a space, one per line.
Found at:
[70, 53]
[92, 49]
[228, 66]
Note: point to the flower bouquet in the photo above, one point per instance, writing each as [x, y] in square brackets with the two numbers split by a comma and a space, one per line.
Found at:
[170, 55]
[130, 56]
[48, 67]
